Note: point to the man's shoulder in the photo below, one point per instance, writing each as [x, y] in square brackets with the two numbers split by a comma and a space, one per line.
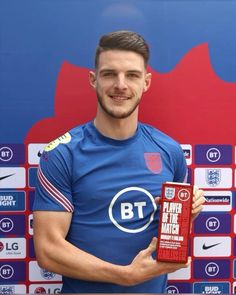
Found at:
[158, 134]
[67, 140]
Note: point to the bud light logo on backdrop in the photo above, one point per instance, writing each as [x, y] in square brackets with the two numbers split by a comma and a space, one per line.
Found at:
[12, 201]
[211, 288]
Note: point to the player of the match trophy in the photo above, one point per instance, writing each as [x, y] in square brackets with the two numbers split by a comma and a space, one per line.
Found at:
[175, 222]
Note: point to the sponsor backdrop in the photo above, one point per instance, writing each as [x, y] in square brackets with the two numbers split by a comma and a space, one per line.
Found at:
[46, 52]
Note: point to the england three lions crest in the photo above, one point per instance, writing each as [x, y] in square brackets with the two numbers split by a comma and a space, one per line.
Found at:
[153, 162]
[213, 177]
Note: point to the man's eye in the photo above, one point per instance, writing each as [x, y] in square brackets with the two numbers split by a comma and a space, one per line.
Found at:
[108, 74]
[133, 75]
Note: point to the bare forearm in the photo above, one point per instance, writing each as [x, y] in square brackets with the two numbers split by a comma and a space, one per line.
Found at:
[55, 254]
[67, 260]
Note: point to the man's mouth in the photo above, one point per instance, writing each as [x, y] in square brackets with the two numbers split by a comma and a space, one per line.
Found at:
[119, 97]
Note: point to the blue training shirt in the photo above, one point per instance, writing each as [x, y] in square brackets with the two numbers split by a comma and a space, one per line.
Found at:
[109, 186]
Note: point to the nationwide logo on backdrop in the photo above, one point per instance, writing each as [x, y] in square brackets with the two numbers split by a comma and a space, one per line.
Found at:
[12, 248]
[212, 246]
[213, 177]
[12, 177]
[213, 154]
[12, 289]
[208, 269]
[35, 150]
[176, 288]
[12, 224]
[12, 201]
[213, 224]
[12, 154]
[187, 149]
[45, 288]
[217, 201]
[37, 274]
[211, 288]
[12, 272]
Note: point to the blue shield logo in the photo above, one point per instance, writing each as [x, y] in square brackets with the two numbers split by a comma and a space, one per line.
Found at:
[213, 177]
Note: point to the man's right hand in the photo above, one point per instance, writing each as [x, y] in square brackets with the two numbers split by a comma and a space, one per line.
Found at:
[144, 267]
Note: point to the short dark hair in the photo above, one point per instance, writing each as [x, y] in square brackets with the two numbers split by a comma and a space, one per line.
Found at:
[123, 40]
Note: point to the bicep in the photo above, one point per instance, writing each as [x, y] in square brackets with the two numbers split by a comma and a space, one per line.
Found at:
[50, 227]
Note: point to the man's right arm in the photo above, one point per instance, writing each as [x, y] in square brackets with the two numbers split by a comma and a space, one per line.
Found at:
[56, 254]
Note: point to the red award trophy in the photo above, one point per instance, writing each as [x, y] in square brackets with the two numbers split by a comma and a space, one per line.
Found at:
[174, 224]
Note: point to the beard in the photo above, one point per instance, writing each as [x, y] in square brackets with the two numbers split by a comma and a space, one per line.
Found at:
[113, 112]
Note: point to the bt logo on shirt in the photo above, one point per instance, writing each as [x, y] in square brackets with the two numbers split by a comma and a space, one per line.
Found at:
[132, 209]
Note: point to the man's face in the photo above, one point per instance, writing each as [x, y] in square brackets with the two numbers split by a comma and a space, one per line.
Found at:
[120, 81]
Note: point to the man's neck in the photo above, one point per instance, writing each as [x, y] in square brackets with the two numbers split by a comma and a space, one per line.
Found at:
[119, 129]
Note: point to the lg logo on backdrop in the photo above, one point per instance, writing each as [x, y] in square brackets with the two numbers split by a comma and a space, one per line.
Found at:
[8, 246]
[132, 204]
[11, 248]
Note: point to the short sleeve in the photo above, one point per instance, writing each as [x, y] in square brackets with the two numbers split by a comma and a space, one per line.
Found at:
[53, 188]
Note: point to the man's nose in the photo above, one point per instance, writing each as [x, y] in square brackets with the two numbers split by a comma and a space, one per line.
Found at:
[120, 82]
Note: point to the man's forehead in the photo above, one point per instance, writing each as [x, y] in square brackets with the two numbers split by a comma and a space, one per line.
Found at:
[115, 59]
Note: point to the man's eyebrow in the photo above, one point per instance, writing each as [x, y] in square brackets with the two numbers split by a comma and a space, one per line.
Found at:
[134, 71]
[113, 70]
[106, 71]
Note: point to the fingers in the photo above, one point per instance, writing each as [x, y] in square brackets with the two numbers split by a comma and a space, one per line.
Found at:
[152, 247]
[198, 197]
[158, 200]
[198, 201]
[188, 262]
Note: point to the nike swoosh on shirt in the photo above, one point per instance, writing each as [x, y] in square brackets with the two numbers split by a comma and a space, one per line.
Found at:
[3, 177]
[205, 247]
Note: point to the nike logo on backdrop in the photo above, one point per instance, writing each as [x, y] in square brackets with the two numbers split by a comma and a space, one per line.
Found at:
[205, 247]
[3, 177]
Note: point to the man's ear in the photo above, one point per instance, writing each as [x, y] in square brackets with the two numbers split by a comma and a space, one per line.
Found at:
[148, 80]
[92, 79]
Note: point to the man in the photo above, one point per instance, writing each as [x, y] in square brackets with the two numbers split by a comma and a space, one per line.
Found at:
[96, 212]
